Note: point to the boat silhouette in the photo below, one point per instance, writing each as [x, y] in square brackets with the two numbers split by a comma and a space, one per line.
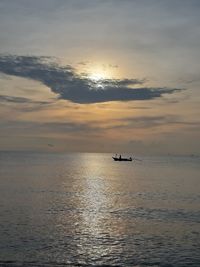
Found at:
[116, 158]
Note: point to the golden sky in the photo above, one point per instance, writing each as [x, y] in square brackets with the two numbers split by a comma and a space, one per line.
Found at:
[106, 76]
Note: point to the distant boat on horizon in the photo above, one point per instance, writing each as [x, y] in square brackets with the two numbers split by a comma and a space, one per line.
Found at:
[116, 158]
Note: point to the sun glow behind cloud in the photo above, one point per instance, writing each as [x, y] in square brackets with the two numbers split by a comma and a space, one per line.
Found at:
[65, 82]
[98, 71]
[102, 71]
[97, 76]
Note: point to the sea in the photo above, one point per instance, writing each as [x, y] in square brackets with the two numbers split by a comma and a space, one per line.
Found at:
[84, 209]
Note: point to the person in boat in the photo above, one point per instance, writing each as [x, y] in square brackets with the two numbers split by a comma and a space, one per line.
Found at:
[120, 156]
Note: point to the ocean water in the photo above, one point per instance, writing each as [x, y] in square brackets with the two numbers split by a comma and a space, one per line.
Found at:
[87, 210]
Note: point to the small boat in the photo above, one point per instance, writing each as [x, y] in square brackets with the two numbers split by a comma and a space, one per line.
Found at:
[121, 159]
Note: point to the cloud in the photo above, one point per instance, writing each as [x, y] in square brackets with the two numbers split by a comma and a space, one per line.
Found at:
[144, 122]
[150, 121]
[67, 127]
[20, 100]
[64, 81]
[34, 127]
[13, 99]
[25, 104]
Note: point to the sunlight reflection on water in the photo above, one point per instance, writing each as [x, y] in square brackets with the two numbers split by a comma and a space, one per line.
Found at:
[85, 209]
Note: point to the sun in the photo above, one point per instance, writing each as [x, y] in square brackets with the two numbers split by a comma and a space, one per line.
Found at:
[97, 73]
[97, 76]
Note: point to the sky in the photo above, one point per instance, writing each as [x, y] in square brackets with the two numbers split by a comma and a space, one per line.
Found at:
[100, 76]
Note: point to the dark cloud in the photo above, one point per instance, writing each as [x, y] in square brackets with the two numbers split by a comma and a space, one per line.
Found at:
[68, 85]
[120, 83]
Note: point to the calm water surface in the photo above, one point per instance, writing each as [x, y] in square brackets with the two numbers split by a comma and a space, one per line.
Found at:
[87, 210]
